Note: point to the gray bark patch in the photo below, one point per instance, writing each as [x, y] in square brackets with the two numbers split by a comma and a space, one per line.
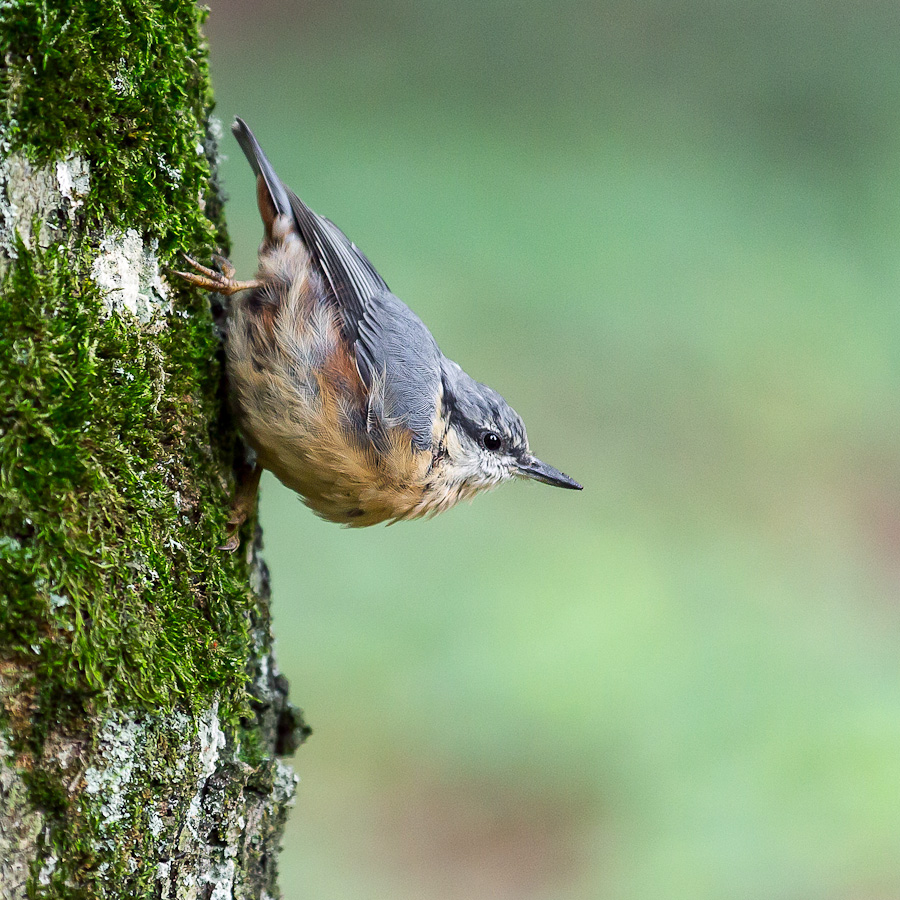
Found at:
[38, 202]
[128, 274]
[20, 827]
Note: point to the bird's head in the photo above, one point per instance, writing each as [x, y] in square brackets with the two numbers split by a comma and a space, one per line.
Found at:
[486, 439]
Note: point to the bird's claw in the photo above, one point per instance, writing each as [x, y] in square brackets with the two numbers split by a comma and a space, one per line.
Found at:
[221, 282]
[242, 507]
[232, 543]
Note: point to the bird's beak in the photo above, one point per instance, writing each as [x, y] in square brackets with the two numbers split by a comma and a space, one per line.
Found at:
[540, 471]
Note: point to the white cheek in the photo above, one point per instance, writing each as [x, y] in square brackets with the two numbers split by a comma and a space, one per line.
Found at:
[469, 469]
[491, 469]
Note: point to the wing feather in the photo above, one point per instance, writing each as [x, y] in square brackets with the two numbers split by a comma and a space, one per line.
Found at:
[351, 277]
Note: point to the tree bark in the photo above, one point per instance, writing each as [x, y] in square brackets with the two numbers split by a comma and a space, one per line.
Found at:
[141, 711]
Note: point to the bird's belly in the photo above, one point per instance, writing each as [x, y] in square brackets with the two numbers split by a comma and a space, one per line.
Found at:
[310, 433]
[336, 488]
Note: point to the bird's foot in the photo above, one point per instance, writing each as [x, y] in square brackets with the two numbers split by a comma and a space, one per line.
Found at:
[221, 282]
[242, 507]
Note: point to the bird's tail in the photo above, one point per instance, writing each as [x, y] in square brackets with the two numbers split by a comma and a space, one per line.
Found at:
[277, 192]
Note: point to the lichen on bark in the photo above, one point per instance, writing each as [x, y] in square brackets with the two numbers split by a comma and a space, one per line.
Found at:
[141, 712]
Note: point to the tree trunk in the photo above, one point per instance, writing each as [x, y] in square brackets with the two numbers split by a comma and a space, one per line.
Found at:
[140, 707]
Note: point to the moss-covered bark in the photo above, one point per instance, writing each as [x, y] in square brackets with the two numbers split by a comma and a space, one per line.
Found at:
[140, 707]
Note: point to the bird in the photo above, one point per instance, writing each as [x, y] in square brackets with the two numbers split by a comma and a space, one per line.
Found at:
[341, 389]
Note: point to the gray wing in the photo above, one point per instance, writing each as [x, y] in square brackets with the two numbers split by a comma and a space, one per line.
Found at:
[396, 355]
[400, 362]
[351, 277]
[397, 358]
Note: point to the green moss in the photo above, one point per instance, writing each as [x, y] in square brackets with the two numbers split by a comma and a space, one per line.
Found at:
[46, 792]
[116, 467]
[125, 84]
[112, 498]
[114, 462]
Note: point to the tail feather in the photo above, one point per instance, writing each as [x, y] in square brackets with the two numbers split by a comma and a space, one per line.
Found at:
[261, 166]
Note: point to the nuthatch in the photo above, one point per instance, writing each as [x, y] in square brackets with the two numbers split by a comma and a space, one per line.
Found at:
[341, 389]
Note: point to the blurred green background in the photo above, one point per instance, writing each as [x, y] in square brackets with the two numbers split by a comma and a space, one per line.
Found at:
[669, 233]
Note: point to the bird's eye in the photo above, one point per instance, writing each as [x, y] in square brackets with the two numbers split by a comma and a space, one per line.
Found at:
[490, 440]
